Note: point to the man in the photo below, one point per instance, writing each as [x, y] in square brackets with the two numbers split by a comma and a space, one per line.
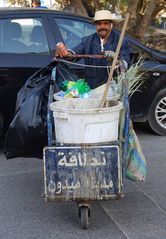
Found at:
[105, 39]
[37, 4]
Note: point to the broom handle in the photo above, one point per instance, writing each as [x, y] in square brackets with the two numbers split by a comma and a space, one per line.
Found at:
[103, 101]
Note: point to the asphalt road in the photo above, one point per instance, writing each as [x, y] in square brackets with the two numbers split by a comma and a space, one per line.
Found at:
[141, 214]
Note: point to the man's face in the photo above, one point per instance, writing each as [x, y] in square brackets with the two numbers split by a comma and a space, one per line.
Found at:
[103, 28]
[34, 4]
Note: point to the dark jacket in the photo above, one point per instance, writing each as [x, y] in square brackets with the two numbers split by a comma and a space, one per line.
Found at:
[91, 45]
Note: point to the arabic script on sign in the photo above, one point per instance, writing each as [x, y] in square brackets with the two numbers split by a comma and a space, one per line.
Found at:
[81, 160]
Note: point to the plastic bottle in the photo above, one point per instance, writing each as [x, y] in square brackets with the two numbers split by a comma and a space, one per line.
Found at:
[112, 89]
[78, 88]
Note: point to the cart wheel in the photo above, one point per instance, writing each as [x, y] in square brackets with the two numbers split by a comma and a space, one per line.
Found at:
[84, 216]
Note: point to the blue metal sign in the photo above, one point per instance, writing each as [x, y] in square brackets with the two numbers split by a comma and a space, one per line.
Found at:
[82, 173]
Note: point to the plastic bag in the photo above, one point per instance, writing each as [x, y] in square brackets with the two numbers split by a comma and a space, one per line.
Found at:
[27, 133]
[136, 163]
[76, 89]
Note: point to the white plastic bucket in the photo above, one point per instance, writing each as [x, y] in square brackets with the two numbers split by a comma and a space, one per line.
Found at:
[82, 121]
[94, 96]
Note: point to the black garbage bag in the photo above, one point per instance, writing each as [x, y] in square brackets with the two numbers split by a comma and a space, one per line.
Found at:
[27, 133]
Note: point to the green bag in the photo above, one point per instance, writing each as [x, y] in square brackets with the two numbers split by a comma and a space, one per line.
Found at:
[136, 163]
[77, 89]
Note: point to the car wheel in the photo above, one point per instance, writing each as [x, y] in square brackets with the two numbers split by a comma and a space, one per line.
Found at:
[157, 113]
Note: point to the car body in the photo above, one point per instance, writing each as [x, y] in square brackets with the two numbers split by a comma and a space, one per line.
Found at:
[27, 43]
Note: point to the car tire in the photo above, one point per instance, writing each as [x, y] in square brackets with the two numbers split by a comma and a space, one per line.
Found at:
[157, 113]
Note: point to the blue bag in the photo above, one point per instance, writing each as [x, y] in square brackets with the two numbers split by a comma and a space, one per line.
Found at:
[136, 163]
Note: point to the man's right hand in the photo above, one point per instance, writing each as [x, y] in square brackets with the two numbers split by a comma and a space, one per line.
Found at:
[61, 50]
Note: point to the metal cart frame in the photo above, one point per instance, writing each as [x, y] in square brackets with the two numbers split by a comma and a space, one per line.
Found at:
[84, 173]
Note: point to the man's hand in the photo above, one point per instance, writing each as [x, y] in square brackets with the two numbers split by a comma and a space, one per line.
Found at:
[109, 54]
[61, 50]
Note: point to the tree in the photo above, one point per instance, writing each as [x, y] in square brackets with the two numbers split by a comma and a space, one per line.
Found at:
[79, 7]
[142, 14]
[146, 19]
[160, 6]
[23, 3]
[91, 6]
[132, 9]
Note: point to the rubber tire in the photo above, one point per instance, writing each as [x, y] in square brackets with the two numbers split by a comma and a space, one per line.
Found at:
[158, 129]
[84, 217]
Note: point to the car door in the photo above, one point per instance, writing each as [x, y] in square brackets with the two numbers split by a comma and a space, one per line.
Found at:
[24, 48]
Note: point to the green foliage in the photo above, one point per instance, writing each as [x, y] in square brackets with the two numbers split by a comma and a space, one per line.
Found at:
[133, 77]
[23, 3]
[123, 5]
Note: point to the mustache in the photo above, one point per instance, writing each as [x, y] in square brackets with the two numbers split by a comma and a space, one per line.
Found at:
[103, 29]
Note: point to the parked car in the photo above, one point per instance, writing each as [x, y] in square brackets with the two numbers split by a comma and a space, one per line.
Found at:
[27, 43]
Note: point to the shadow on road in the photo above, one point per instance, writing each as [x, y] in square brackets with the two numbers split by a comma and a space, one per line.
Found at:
[142, 127]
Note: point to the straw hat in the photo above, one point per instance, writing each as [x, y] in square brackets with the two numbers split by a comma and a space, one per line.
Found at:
[106, 15]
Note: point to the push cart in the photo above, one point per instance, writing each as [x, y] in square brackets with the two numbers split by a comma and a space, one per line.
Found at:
[82, 172]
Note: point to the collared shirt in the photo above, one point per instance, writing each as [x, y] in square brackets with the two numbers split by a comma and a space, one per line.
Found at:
[92, 45]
